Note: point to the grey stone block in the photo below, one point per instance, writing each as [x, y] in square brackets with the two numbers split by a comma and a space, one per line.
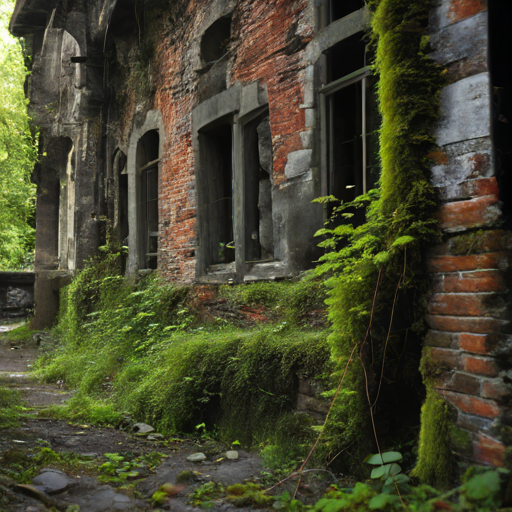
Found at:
[298, 163]
[466, 110]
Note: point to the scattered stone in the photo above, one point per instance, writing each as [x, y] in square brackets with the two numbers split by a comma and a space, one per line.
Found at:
[196, 457]
[52, 482]
[143, 428]
[105, 498]
[232, 454]
[34, 492]
[155, 437]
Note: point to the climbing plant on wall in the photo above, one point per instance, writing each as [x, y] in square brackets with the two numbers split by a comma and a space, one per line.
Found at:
[377, 279]
[17, 153]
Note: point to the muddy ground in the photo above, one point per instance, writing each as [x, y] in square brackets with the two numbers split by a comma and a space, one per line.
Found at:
[82, 449]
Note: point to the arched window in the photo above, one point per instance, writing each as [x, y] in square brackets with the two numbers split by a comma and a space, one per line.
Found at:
[147, 175]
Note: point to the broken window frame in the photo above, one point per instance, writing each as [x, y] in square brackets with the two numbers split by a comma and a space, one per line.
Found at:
[212, 247]
[242, 189]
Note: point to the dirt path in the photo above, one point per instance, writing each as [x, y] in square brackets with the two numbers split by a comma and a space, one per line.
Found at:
[31, 447]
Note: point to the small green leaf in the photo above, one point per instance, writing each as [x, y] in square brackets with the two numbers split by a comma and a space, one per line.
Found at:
[382, 500]
[386, 458]
[483, 486]
[403, 240]
[394, 469]
[378, 472]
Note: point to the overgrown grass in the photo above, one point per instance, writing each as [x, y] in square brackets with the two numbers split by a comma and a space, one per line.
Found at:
[292, 301]
[139, 350]
[9, 407]
[21, 334]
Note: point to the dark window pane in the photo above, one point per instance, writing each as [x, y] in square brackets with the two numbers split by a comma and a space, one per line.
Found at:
[346, 57]
[342, 8]
[153, 244]
[346, 151]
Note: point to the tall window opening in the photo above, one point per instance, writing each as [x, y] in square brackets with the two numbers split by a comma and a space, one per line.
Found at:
[147, 172]
[351, 123]
[500, 64]
[216, 146]
[259, 232]
[332, 10]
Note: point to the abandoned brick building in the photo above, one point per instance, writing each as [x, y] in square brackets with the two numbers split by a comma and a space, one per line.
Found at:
[202, 130]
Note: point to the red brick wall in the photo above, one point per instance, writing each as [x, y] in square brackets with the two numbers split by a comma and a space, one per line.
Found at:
[265, 39]
[468, 310]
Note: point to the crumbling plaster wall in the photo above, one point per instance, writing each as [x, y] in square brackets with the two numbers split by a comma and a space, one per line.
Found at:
[66, 99]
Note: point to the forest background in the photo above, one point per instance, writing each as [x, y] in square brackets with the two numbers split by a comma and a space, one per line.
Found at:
[18, 139]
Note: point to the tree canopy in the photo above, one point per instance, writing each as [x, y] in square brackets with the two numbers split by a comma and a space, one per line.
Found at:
[17, 153]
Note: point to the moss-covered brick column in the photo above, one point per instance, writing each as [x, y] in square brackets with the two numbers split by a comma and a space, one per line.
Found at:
[467, 358]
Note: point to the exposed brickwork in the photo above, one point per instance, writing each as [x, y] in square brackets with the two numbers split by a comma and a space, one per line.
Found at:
[473, 343]
[462, 9]
[469, 312]
[489, 451]
[472, 404]
[473, 213]
[483, 281]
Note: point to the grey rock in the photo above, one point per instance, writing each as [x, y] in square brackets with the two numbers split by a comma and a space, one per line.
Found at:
[265, 145]
[16, 297]
[465, 106]
[232, 455]
[155, 437]
[196, 457]
[52, 482]
[104, 498]
[298, 163]
[143, 428]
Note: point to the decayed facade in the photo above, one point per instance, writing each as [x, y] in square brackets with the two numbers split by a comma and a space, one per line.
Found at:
[202, 130]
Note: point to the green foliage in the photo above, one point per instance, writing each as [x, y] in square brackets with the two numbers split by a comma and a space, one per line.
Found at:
[82, 407]
[24, 464]
[117, 469]
[291, 442]
[20, 334]
[435, 465]
[291, 300]
[386, 466]
[376, 272]
[480, 493]
[248, 495]
[9, 407]
[17, 154]
[138, 349]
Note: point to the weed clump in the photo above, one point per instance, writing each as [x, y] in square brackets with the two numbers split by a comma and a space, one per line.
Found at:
[9, 407]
